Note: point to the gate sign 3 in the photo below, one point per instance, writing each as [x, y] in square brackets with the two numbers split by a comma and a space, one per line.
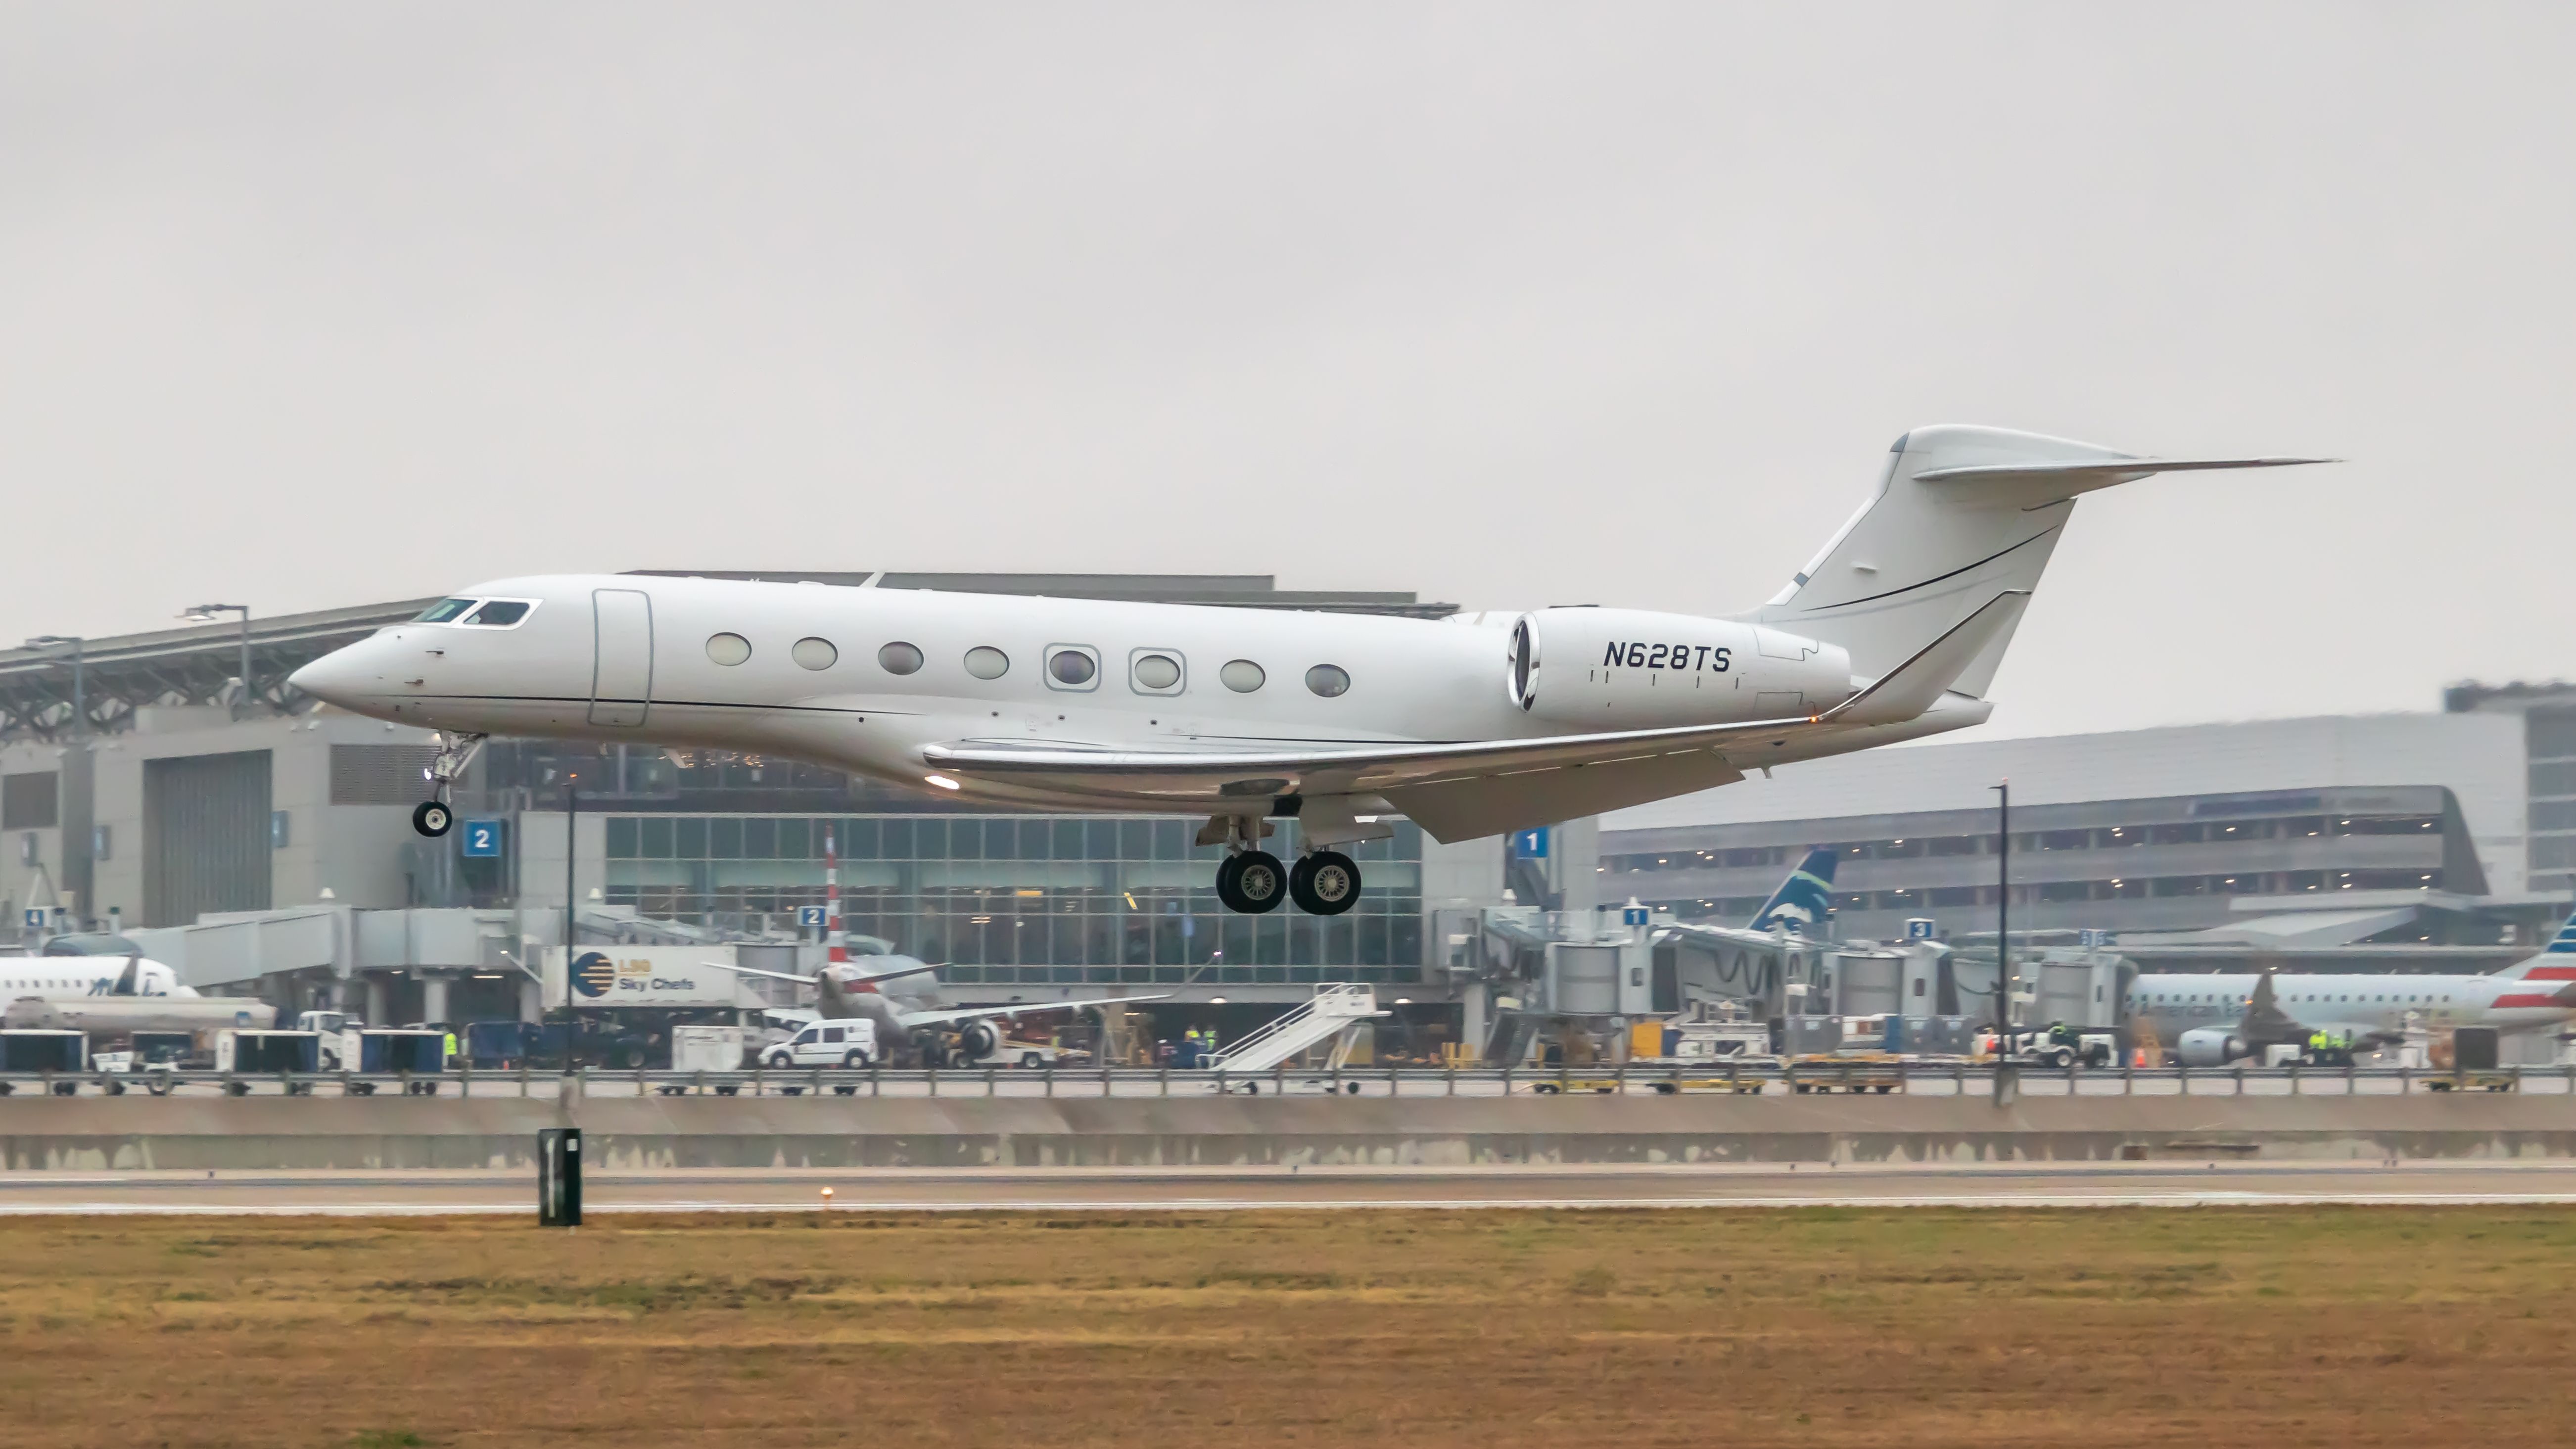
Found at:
[810, 916]
[481, 839]
[1530, 844]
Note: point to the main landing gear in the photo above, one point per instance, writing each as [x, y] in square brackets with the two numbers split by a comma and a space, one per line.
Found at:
[1252, 881]
[434, 817]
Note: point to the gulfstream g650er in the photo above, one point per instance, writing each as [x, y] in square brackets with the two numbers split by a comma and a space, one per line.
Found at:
[1468, 726]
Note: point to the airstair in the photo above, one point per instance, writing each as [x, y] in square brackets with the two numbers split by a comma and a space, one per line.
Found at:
[1336, 1008]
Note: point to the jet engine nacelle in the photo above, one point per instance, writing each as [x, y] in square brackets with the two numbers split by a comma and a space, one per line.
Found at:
[1624, 669]
[977, 1040]
[2211, 1046]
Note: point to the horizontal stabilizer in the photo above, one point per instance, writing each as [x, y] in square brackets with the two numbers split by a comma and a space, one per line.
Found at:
[1915, 685]
[2037, 482]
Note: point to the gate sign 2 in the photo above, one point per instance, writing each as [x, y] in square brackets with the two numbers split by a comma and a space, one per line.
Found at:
[481, 839]
[1530, 844]
[810, 916]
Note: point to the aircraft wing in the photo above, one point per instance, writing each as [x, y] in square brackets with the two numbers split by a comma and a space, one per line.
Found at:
[1025, 1008]
[811, 980]
[1459, 790]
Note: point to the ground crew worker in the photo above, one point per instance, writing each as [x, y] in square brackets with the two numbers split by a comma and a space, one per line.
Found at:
[450, 1059]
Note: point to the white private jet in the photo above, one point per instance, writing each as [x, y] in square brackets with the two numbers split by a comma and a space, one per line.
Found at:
[1469, 726]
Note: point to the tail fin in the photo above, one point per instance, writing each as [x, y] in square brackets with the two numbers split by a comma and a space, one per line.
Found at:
[1803, 899]
[1961, 515]
[2553, 962]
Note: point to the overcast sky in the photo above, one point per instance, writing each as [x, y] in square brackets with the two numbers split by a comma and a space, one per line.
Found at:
[314, 305]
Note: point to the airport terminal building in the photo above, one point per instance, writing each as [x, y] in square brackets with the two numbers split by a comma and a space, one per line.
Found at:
[2417, 827]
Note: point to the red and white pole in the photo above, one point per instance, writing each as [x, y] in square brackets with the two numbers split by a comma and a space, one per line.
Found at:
[837, 945]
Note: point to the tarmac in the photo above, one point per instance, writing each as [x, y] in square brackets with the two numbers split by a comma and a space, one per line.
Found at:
[2213, 1183]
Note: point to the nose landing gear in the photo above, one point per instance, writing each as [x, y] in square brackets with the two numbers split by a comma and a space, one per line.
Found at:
[434, 817]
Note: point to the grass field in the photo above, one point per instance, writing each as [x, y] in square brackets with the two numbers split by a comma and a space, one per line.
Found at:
[1825, 1326]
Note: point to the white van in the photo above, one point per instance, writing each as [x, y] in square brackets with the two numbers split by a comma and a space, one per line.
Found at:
[840, 1042]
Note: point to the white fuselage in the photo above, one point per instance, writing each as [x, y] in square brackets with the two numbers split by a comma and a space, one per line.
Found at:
[803, 671]
[2180, 1003]
[81, 978]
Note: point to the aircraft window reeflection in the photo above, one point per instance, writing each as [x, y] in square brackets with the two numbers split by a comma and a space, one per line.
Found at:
[815, 653]
[986, 662]
[1072, 668]
[899, 658]
[1241, 675]
[728, 649]
[499, 614]
[1328, 680]
[443, 610]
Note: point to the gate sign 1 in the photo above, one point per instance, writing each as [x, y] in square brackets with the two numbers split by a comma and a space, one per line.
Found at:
[1530, 844]
[34, 916]
[810, 916]
[1633, 916]
[481, 839]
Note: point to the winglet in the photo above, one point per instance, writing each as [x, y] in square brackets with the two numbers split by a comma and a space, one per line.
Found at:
[1917, 684]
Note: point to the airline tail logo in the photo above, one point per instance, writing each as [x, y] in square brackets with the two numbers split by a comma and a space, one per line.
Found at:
[1803, 899]
[2556, 962]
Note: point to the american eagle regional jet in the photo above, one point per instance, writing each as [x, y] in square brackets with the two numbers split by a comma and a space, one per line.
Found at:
[1469, 726]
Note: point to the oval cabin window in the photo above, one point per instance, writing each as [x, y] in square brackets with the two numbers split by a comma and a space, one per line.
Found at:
[1157, 671]
[815, 653]
[728, 648]
[899, 658]
[1241, 675]
[986, 662]
[1328, 680]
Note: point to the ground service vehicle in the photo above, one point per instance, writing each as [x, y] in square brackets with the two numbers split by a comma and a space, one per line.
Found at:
[834, 1042]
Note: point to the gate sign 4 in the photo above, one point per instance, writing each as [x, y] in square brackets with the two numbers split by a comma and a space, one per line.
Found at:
[482, 839]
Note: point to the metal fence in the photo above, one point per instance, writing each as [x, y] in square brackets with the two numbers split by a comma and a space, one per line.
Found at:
[1952, 1079]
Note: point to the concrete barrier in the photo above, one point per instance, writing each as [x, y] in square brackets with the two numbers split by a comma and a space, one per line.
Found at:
[101, 1133]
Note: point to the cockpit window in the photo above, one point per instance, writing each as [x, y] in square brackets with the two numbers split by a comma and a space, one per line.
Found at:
[444, 611]
[500, 613]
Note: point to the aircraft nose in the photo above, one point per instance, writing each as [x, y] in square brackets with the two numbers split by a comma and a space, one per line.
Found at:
[338, 676]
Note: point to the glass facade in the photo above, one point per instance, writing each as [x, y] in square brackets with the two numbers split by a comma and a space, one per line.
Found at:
[1023, 899]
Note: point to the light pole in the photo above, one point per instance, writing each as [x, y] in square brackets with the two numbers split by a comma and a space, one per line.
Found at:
[205, 614]
[2003, 913]
[80, 678]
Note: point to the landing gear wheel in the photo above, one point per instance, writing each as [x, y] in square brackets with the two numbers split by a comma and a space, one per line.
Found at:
[432, 818]
[1325, 883]
[1251, 882]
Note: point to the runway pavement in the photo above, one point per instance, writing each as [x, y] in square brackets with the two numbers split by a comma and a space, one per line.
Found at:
[2125, 1184]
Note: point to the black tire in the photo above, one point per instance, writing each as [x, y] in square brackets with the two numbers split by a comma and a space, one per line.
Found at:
[433, 818]
[1251, 882]
[1665, 1089]
[854, 1061]
[780, 1061]
[1325, 883]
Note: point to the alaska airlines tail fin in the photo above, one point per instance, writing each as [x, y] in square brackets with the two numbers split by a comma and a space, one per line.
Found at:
[1960, 515]
[1802, 900]
[2553, 962]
